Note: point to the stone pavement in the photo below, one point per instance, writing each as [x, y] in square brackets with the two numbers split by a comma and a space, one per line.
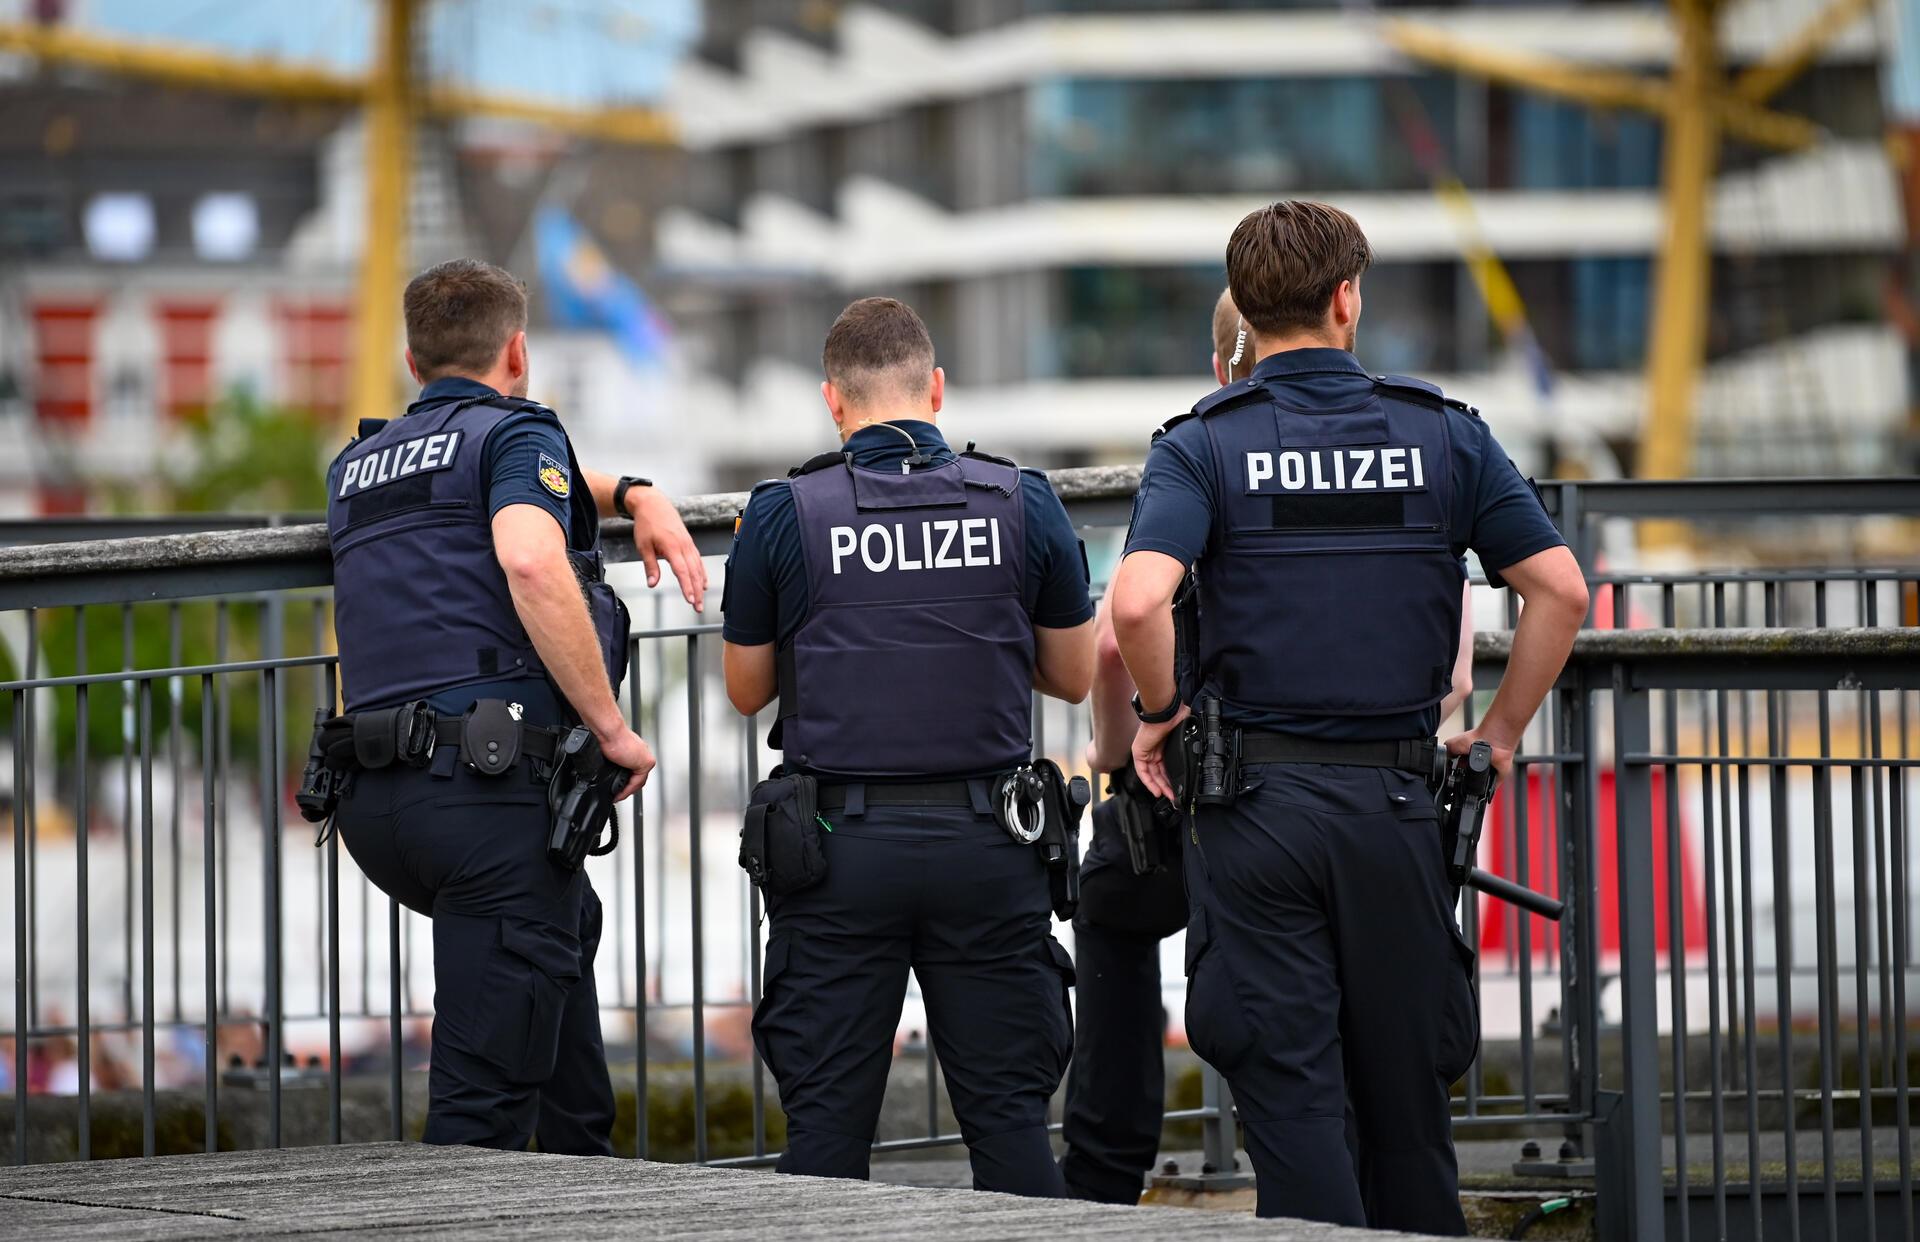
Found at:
[405, 1190]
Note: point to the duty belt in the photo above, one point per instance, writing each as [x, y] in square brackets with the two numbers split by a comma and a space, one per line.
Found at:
[409, 734]
[1416, 755]
[934, 793]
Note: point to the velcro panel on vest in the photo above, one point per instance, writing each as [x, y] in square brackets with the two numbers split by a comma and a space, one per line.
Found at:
[925, 489]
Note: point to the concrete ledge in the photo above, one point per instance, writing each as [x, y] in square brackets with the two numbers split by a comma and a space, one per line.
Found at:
[404, 1190]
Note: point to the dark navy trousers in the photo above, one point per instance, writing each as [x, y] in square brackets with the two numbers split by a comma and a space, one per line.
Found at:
[516, 1028]
[1116, 1087]
[948, 895]
[1327, 980]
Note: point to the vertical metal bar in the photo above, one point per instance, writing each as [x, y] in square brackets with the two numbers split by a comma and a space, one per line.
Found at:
[1861, 999]
[209, 789]
[127, 730]
[223, 764]
[324, 934]
[1216, 1128]
[24, 793]
[1750, 1034]
[750, 756]
[1777, 734]
[1676, 943]
[1826, 951]
[146, 917]
[635, 702]
[20, 1039]
[335, 1070]
[175, 804]
[933, 1081]
[1711, 709]
[662, 776]
[1520, 797]
[694, 784]
[1897, 877]
[270, 880]
[82, 931]
[1640, 1031]
[396, 1046]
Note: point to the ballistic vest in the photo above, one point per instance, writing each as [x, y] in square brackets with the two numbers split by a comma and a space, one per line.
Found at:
[421, 604]
[915, 660]
[1331, 587]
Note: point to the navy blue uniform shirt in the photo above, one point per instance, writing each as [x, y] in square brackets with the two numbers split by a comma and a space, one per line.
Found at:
[515, 456]
[1495, 511]
[765, 598]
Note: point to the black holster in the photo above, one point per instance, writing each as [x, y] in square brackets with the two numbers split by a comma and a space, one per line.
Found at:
[580, 794]
[1149, 825]
[781, 849]
[1212, 758]
[1059, 842]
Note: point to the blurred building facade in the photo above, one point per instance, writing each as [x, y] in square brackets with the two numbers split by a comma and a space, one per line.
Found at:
[1051, 182]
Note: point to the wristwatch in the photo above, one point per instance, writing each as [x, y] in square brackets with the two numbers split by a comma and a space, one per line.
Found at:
[1160, 717]
[620, 492]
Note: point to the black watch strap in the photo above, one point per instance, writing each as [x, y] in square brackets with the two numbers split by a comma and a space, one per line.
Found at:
[1160, 717]
[620, 492]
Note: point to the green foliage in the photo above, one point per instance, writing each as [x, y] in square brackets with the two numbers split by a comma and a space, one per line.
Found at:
[670, 1122]
[246, 457]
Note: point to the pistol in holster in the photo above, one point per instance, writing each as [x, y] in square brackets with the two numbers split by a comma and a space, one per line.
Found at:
[580, 795]
[1149, 824]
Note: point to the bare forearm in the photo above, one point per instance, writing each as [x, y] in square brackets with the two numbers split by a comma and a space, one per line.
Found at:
[602, 485]
[1541, 642]
[548, 599]
[1114, 723]
[1146, 647]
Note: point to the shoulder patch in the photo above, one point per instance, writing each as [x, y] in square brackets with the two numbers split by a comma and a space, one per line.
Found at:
[1225, 398]
[839, 457]
[1406, 386]
[553, 477]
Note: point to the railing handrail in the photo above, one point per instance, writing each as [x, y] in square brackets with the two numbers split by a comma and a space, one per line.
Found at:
[220, 561]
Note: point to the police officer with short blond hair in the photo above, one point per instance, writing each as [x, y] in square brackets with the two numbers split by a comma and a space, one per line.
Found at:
[902, 602]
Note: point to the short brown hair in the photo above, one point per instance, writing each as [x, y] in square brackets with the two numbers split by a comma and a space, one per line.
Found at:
[1284, 262]
[1226, 330]
[877, 343]
[460, 314]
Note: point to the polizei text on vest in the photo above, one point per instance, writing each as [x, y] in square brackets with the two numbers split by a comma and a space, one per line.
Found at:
[944, 543]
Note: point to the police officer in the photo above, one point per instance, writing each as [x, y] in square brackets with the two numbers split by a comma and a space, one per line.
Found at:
[1116, 1085]
[472, 623]
[903, 602]
[1326, 511]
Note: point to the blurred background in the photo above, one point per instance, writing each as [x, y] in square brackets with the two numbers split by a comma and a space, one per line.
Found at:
[1643, 243]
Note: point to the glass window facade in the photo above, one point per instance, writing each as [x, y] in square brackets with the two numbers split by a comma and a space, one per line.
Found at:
[1234, 135]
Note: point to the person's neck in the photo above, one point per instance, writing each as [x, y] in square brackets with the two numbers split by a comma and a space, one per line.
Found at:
[852, 425]
[1265, 347]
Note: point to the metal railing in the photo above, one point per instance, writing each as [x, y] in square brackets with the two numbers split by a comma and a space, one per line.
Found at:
[156, 685]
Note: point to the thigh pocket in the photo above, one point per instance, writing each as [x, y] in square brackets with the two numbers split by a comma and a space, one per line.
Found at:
[1460, 1025]
[1217, 1025]
[1060, 963]
[532, 969]
[770, 1030]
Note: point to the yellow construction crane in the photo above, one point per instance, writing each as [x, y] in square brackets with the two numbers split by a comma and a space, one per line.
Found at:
[1699, 104]
[393, 98]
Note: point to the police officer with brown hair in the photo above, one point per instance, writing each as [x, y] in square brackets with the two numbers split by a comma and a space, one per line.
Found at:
[1133, 896]
[1324, 512]
[903, 602]
[474, 626]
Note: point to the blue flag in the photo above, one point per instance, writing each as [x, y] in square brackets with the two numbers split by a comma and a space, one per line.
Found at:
[583, 290]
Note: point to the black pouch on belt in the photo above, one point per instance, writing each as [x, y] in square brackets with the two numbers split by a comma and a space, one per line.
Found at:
[780, 842]
[1060, 839]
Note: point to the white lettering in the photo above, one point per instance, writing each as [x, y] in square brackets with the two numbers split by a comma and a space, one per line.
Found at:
[973, 534]
[410, 455]
[1259, 469]
[886, 550]
[1319, 477]
[993, 525]
[1293, 471]
[900, 542]
[1339, 470]
[430, 456]
[843, 542]
[1419, 476]
[1362, 458]
[948, 528]
[1393, 467]
[346, 480]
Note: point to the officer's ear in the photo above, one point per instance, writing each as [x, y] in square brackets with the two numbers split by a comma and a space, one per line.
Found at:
[939, 390]
[517, 354]
[1346, 304]
[836, 404]
[1219, 371]
[414, 370]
